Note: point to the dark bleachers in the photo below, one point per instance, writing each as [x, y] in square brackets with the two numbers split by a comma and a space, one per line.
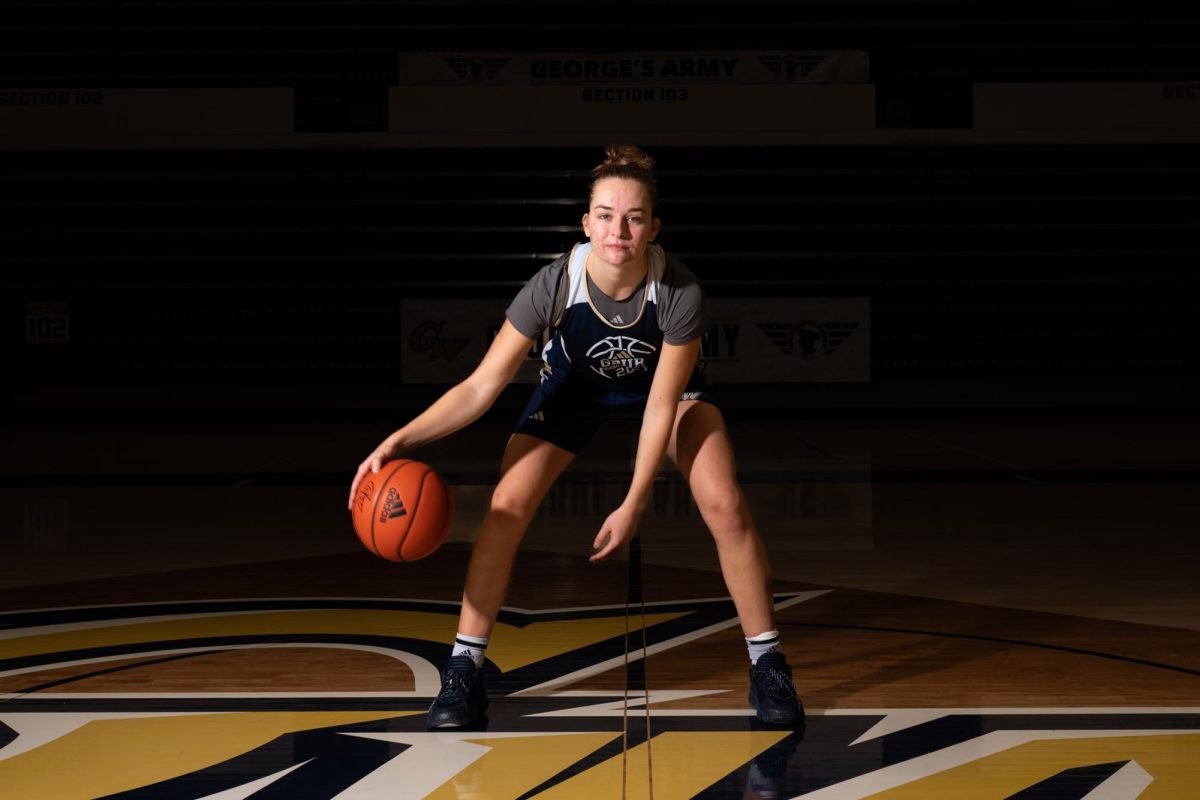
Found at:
[286, 43]
[981, 262]
[997, 262]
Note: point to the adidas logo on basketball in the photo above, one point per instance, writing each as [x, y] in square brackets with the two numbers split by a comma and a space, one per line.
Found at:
[393, 506]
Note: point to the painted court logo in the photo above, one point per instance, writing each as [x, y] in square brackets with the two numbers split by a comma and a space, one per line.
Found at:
[69, 728]
[618, 356]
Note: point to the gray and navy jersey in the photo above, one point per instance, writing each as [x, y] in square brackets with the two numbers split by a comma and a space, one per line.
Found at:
[611, 345]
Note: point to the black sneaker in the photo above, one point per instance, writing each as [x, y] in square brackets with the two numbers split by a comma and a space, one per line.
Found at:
[462, 700]
[772, 692]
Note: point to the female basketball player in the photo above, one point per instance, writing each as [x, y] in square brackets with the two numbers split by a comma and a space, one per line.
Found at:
[625, 323]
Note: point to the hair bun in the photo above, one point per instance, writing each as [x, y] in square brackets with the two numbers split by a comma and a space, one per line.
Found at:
[629, 162]
[625, 155]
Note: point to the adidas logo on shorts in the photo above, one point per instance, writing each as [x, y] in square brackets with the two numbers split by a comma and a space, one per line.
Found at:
[538, 416]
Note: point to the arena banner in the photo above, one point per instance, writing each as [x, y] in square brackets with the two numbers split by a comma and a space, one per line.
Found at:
[786, 339]
[641, 95]
[545, 69]
[751, 340]
[443, 339]
[92, 112]
[1124, 105]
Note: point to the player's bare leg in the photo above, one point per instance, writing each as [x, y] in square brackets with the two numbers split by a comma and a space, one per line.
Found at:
[529, 468]
[700, 446]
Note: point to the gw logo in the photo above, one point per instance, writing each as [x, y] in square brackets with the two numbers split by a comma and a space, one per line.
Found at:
[426, 338]
[617, 356]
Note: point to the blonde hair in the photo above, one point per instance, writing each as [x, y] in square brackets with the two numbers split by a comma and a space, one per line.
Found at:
[626, 161]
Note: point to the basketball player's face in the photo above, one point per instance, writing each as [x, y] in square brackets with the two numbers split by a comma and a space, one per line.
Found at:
[619, 223]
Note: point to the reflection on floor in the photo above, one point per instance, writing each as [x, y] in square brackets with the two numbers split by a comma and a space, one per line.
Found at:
[311, 683]
[1001, 611]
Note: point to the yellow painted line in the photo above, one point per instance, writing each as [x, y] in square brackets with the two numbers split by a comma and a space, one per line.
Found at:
[512, 767]
[1172, 760]
[367, 622]
[108, 756]
[511, 647]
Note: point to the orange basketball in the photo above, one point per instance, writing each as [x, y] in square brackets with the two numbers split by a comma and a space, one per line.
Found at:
[403, 512]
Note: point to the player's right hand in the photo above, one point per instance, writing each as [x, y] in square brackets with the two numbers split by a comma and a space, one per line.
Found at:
[387, 451]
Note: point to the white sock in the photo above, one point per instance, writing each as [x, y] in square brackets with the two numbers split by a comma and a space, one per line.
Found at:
[473, 646]
[762, 643]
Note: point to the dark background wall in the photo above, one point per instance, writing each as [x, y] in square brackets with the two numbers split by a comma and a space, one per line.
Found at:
[1006, 276]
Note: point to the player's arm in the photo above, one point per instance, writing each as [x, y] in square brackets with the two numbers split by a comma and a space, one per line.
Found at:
[675, 365]
[461, 405]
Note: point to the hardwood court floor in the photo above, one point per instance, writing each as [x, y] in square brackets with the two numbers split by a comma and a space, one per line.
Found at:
[966, 634]
[302, 686]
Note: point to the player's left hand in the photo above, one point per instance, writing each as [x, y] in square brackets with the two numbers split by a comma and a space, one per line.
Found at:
[618, 529]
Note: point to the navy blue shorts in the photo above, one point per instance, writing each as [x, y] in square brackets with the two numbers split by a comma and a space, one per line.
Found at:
[568, 414]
